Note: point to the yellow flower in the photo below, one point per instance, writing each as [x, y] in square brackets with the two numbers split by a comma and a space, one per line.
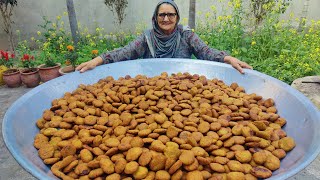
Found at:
[208, 14]
[253, 43]
[65, 13]
[45, 45]
[32, 38]
[39, 33]
[94, 52]
[291, 14]
[54, 25]
[237, 4]
[70, 48]
[310, 30]
[58, 18]
[213, 8]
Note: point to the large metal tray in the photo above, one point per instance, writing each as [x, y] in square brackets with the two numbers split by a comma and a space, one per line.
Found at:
[303, 119]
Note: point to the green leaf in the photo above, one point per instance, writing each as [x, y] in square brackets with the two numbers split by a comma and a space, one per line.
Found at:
[243, 49]
[285, 50]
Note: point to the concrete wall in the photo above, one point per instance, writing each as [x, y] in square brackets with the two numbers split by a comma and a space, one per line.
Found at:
[94, 13]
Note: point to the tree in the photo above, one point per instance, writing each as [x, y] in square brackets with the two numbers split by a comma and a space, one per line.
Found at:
[6, 8]
[117, 6]
[73, 21]
[192, 14]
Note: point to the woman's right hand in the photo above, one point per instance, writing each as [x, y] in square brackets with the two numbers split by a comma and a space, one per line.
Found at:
[90, 64]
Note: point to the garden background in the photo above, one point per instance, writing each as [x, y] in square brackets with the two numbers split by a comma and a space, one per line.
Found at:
[283, 42]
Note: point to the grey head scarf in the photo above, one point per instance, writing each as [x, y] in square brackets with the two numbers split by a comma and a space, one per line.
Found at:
[165, 46]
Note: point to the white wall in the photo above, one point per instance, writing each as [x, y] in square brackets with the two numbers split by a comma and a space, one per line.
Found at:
[94, 13]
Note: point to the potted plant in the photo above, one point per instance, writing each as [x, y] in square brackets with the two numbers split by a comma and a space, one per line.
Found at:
[11, 76]
[50, 69]
[71, 60]
[29, 74]
[2, 67]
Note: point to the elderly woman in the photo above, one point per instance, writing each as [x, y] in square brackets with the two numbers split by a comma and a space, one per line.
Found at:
[167, 39]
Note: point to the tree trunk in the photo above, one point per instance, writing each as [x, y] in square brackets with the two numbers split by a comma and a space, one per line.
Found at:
[192, 14]
[73, 22]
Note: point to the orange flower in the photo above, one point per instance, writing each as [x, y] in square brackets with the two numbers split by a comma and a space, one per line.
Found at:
[67, 62]
[70, 48]
[94, 52]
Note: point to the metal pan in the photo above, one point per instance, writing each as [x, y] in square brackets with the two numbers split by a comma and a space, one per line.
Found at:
[303, 118]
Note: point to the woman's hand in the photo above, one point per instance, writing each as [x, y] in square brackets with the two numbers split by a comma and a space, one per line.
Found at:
[237, 64]
[90, 64]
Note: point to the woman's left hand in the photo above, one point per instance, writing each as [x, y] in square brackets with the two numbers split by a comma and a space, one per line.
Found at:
[237, 64]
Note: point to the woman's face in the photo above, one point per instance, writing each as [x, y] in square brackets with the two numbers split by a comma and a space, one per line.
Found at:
[167, 18]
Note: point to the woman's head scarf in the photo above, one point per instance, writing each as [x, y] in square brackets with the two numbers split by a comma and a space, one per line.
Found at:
[165, 46]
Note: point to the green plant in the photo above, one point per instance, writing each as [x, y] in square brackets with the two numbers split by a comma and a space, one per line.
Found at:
[71, 56]
[49, 59]
[7, 59]
[53, 38]
[28, 61]
[275, 47]
[6, 8]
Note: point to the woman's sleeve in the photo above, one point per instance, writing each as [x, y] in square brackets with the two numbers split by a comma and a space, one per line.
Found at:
[202, 51]
[134, 50]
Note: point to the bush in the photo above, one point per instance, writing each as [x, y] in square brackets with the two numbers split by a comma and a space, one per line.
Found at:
[276, 47]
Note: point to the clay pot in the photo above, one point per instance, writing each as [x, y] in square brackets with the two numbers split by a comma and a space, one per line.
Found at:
[30, 77]
[66, 70]
[48, 73]
[12, 78]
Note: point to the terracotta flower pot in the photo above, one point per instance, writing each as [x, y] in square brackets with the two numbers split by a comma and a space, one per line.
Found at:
[12, 78]
[30, 77]
[48, 73]
[65, 70]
